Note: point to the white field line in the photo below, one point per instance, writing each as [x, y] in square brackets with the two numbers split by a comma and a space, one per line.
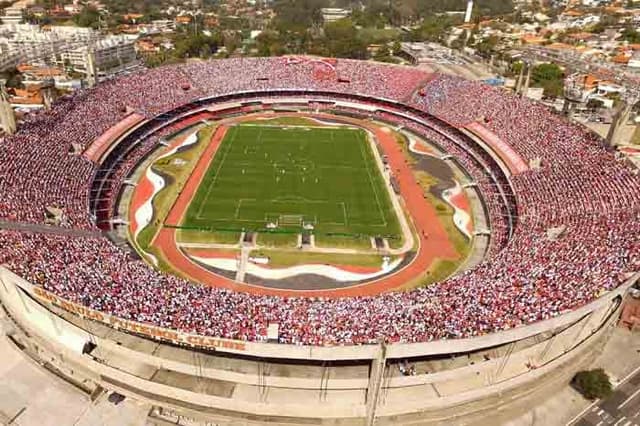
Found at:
[376, 159]
[373, 186]
[402, 219]
[215, 178]
[626, 401]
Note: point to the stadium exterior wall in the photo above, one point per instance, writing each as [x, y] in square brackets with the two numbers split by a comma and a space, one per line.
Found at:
[327, 353]
[562, 344]
[157, 365]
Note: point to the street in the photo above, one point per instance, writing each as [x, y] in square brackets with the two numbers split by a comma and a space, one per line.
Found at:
[622, 408]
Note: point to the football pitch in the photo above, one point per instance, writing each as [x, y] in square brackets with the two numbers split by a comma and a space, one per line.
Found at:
[320, 178]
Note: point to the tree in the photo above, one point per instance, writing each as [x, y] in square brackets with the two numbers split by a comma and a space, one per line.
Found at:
[297, 15]
[371, 17]
[459, 42]
[486, 47]
[199, 45]
[269, 43]
[342, 40]
[396, 48]
[231, 41]
[88, 17]
[432, 29]
[13, 78]
[592, 384]
[631, 35]
[550, 77]
[163, 57]
[384, 54]
[516, 67]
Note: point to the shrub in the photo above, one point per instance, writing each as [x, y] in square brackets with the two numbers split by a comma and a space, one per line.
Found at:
[592, 384]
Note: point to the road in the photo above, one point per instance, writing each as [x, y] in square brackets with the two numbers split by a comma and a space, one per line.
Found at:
[622, 408]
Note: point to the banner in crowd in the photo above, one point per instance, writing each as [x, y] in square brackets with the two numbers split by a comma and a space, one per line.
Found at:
[514, 162]
[166, 335]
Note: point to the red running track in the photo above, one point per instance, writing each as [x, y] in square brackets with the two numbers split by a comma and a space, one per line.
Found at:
[433, 239]
[144, 189]
[181, 204]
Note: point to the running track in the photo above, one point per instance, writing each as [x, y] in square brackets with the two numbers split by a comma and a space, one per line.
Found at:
[433, 239]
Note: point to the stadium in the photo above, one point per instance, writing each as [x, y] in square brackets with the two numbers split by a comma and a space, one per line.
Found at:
[300, 240]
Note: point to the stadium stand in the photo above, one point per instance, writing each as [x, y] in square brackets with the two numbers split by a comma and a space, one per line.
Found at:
[580, 188]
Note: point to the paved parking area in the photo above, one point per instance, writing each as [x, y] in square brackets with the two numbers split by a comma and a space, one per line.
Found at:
[620, 409]
[566, 407]
[32, 396]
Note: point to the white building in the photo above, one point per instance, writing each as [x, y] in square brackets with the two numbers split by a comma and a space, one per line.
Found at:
[425, 53]
[28, 43]
[66, 47]
[163, 25]
[331, 14]
[111, 55]
[12, 15]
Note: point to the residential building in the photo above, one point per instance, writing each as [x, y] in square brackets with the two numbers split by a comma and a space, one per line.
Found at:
[331, 14]
[12, 15]
[111, 55]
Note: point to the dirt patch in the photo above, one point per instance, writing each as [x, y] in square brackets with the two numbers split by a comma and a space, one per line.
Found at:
[437, 168]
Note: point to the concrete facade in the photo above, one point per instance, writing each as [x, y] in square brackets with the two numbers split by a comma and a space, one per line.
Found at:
[231, 382]
[109, 56]
[214, 386]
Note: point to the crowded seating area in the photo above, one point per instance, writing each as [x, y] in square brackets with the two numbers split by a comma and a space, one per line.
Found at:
[344, 76]
[537, 278]
[580, 190]
[480, 167]
[575, 166]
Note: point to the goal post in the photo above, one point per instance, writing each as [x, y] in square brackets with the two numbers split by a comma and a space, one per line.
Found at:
[290, 219]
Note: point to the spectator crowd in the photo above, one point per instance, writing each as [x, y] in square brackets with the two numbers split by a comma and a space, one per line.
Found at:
[580, 190]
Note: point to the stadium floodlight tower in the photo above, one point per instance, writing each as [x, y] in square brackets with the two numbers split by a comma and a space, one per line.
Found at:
[92, 71]
[467, 19]
[628, 100]
[573, 93]
[467, 14]
[524, 77]
[7, 117]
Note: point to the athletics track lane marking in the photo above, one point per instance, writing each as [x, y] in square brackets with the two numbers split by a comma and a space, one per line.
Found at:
[434, 241]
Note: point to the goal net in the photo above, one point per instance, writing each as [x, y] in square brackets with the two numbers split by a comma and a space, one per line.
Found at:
[290, 220]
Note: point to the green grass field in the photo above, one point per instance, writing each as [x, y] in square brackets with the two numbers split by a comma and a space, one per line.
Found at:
[292, 176]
